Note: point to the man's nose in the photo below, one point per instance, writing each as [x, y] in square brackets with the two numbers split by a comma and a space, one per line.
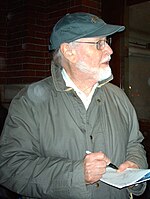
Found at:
[108, 49]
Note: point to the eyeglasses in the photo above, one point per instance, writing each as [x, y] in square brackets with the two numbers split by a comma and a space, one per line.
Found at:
[100, 45]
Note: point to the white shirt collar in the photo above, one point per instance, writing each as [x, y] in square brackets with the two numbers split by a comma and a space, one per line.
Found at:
[69, 83]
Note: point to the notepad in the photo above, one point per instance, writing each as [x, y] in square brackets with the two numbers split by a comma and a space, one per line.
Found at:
[126, 178]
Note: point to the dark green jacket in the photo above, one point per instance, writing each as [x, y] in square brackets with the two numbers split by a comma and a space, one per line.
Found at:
[48, 131]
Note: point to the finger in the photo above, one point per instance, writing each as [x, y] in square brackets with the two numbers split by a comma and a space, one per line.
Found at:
[122, 167]
[127, 164]
[98, 156]
[104, 157]
[93, 173]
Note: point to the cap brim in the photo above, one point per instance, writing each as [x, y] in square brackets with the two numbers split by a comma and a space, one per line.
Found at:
[105, 31]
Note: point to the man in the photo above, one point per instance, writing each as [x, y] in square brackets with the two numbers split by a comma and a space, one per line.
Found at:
[52, 123]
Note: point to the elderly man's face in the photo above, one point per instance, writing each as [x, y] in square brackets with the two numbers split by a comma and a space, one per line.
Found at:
[93, 61]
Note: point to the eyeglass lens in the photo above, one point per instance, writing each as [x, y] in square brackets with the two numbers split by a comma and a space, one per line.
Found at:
[101, 43]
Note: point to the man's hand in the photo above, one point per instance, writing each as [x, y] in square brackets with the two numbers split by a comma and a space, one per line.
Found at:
[127, 164]
[95, 166]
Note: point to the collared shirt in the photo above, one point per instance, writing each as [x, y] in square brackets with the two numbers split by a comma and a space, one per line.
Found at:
[69, 83]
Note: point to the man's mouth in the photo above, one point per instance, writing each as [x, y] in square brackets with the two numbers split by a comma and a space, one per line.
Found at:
[106, 61]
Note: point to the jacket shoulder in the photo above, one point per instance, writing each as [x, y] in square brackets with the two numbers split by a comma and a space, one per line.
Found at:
[115, 90]
[37, 92]
[116, 95]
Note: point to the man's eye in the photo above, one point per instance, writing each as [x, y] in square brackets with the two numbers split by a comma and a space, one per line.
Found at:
[100, 43]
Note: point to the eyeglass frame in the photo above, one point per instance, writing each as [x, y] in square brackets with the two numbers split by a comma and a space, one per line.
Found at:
[108, 41]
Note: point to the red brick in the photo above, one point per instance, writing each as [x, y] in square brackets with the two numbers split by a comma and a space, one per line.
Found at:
[36, 66]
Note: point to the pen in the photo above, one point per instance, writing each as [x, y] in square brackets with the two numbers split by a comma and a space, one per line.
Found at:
[112, 166]
[109, 165]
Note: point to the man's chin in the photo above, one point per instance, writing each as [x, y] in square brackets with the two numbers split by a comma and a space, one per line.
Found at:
[105, 73]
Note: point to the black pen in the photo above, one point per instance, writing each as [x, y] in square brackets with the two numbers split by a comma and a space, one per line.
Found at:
[109, 165]
[112, 166]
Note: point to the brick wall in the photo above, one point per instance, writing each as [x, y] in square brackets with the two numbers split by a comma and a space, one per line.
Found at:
[3, 40]
[24, 37]
[27, 42]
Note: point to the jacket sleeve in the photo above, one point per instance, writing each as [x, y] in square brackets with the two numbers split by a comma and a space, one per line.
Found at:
[135, 150]
[25, 170]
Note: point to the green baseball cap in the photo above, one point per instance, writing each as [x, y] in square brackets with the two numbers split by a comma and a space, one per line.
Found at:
[80, 25]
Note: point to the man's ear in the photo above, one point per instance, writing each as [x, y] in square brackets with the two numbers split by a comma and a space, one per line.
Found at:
[68, 52]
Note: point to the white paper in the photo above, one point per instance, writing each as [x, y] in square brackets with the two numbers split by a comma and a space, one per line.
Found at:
[125, 178]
